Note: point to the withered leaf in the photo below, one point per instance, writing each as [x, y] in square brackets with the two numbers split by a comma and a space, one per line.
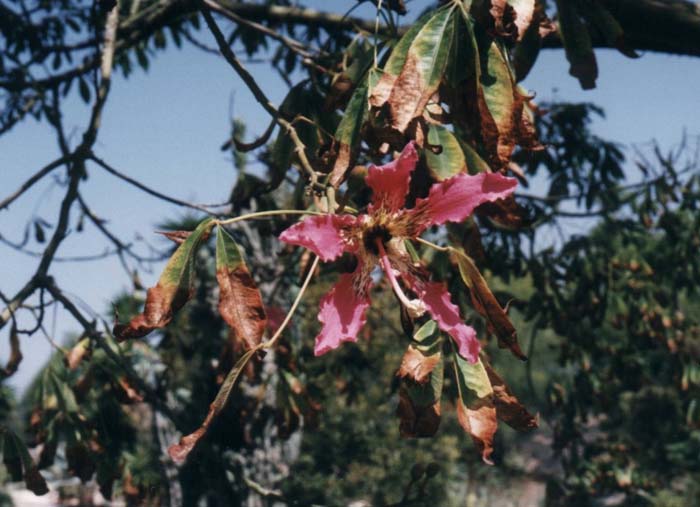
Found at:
[179, 452]
[423, 69]
[476, 412]
[508, 407]
[20, 464]
[347, 135]
[419, 404]
[178, 237]
[240, 302]
[15, 354]
[173, 290]
[417, 421]
[417, 366]
[512, 17]
[77, 353]
[577, 44]
[486, 304]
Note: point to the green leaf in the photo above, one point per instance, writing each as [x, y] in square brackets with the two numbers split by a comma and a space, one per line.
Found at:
[173, 290]
[450, 159]
[474, 382]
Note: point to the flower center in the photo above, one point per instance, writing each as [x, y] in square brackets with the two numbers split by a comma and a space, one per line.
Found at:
[374, 233]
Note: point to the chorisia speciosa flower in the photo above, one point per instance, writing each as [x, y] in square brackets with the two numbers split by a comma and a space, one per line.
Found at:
[378, 238]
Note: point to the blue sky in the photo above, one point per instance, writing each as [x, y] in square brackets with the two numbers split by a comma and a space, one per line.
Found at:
[165, 127]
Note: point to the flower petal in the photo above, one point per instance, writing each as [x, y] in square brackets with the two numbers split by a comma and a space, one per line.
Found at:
[453, 200]
[342, 315]
[322, 234]
[437, 301]
[389, 182]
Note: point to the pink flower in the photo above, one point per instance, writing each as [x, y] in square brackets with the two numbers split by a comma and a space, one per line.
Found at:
[377, 238]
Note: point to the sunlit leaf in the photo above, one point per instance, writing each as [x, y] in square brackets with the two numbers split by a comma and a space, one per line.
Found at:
[443, 153]
[423, 69]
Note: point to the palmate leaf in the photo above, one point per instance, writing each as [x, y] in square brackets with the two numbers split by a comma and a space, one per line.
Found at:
[422, 70]
[240, 302]
[173, 290]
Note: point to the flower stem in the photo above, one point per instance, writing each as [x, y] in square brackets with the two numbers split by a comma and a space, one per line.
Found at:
[264, 214]
[433, 245]
[271, 342]
[392, 279]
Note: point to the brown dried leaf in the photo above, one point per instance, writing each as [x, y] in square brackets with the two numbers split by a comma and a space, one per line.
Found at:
[179, 452]
[417, 421]
[417, 366]
[508, 407]
[76, 354]
[173, 290]
[15, 354]
[487, 305]
[177, 237]
[481, 424]
[240, 302]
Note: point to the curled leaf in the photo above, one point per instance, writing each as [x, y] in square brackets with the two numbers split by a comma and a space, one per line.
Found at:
[173, 290]
[487, 305]
[179, 452]
[77, 353]
[240, 302]
[577, 43]
[15, 354]
[508, 407]
[20, 464]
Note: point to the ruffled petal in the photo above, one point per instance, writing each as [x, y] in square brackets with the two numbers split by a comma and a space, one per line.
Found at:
[322, 234]
[342, 315]
[437, 301]
[390, 182]
[453, 200]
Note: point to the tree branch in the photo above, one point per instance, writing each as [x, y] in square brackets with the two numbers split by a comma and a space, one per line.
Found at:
[675, 28]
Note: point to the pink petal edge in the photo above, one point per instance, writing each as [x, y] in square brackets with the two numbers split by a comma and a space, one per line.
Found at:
[438, 302]
[453, 200]
[390, 182]
[342, 315]
[321, 234]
